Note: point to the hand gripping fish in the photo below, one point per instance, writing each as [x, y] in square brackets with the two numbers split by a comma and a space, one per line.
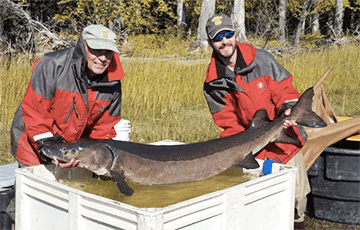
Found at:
[150, 164]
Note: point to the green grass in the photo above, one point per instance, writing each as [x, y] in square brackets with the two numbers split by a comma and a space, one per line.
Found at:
[163, 97]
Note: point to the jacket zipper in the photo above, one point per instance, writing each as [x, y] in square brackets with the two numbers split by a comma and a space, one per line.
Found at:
[73, 107]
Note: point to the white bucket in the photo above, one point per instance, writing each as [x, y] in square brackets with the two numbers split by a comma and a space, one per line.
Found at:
[122, 129]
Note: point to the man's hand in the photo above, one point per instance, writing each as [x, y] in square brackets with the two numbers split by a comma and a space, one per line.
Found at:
[288, 123]
[71, 163]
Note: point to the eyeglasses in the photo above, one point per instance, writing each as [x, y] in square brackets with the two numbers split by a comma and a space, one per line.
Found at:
[220, 37]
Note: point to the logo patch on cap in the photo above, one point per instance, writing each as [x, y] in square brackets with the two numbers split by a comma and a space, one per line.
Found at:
[217, 20]
[260, 85]
[105, 33]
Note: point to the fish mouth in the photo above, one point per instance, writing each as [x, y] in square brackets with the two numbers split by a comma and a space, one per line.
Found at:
[46, 158]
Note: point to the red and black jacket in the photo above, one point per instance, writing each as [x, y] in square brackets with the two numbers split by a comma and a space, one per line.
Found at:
[259, 82]
[60, 100]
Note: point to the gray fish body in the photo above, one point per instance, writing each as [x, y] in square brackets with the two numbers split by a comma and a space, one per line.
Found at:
[150, 164]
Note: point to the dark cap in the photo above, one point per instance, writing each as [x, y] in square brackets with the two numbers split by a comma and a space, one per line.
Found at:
[218, 23]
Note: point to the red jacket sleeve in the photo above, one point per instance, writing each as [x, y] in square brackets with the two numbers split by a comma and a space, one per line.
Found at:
[35, 108]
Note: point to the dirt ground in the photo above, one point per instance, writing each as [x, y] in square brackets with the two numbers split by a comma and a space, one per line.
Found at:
[316, 224]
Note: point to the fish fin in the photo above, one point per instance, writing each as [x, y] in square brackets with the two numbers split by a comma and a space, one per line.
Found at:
[121, 184]
[303, 114]
[285, 138]
[249, 162]
[259, 119]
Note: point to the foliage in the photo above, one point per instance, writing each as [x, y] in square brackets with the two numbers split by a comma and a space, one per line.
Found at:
[309, 41]
[157, 16]
[193, 8]
[80, 13]
[148, 16]
[261, 17]
[139, 16]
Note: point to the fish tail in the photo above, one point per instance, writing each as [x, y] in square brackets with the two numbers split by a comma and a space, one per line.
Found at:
[302, 111]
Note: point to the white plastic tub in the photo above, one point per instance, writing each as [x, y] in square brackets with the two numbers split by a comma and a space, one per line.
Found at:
[263, 203]
[123, 130]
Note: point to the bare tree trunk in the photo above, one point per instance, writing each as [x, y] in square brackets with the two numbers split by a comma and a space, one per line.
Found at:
[207, 10]
[315, 18]
[301, 24]
[181, 12]
[282, 21]
[339, 15]
[239, 20]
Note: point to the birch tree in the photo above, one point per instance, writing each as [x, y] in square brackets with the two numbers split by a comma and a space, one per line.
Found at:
[282, 20]
[207, 10]
[238, 15]
[339, 15]
[315, 24]
[301, 25]
[181, 12]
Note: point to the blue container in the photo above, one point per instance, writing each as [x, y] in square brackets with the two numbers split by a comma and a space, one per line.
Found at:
[335, 183]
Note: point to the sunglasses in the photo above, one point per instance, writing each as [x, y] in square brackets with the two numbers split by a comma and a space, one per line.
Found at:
[220, 37]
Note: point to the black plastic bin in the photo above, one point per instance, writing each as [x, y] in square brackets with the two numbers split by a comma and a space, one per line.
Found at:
[5, 198]
[335, 183]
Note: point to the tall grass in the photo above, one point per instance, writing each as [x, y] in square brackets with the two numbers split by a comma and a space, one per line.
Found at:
[342, 86]
[163, 97]
[164, 100]
[14, 78]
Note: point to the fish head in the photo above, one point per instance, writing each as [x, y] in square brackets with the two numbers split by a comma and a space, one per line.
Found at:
[61, 152]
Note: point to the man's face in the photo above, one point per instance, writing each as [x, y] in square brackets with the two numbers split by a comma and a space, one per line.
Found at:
[97, 60]
[226, 47]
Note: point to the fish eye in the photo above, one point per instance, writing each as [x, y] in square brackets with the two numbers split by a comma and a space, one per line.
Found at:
[73, 151]
[64, 151]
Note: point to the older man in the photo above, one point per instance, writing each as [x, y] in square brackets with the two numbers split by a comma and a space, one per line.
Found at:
[241, 80]
[74, 93]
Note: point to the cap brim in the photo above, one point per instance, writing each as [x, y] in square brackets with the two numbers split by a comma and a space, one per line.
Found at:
[96, 45]
[220, 30]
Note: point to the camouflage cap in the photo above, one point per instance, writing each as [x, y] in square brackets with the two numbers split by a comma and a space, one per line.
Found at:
[99, 37]
[218, 23]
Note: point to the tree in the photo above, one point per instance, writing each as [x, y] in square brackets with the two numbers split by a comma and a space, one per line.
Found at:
[238, 15]
[301, 24]
[315, 16]
[262, 17]
[181, 12]
[282, 20]
[207, 10]
[339, 15]
[140, 16]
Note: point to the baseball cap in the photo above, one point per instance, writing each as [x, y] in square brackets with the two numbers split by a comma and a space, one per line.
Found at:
[218, 23]
[99, 37]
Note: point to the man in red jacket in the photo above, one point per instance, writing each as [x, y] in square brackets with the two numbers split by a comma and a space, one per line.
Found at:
[241, 80]
[74, 93]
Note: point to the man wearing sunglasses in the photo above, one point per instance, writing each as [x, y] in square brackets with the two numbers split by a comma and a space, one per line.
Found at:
[241, 80]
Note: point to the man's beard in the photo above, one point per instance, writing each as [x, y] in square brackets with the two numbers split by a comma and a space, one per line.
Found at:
[226, 56]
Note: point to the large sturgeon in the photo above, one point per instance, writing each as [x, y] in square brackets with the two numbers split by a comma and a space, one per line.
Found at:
[150, 164]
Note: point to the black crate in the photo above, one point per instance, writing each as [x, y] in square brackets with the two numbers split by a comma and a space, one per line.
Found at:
[5, 198]
[335, 183]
